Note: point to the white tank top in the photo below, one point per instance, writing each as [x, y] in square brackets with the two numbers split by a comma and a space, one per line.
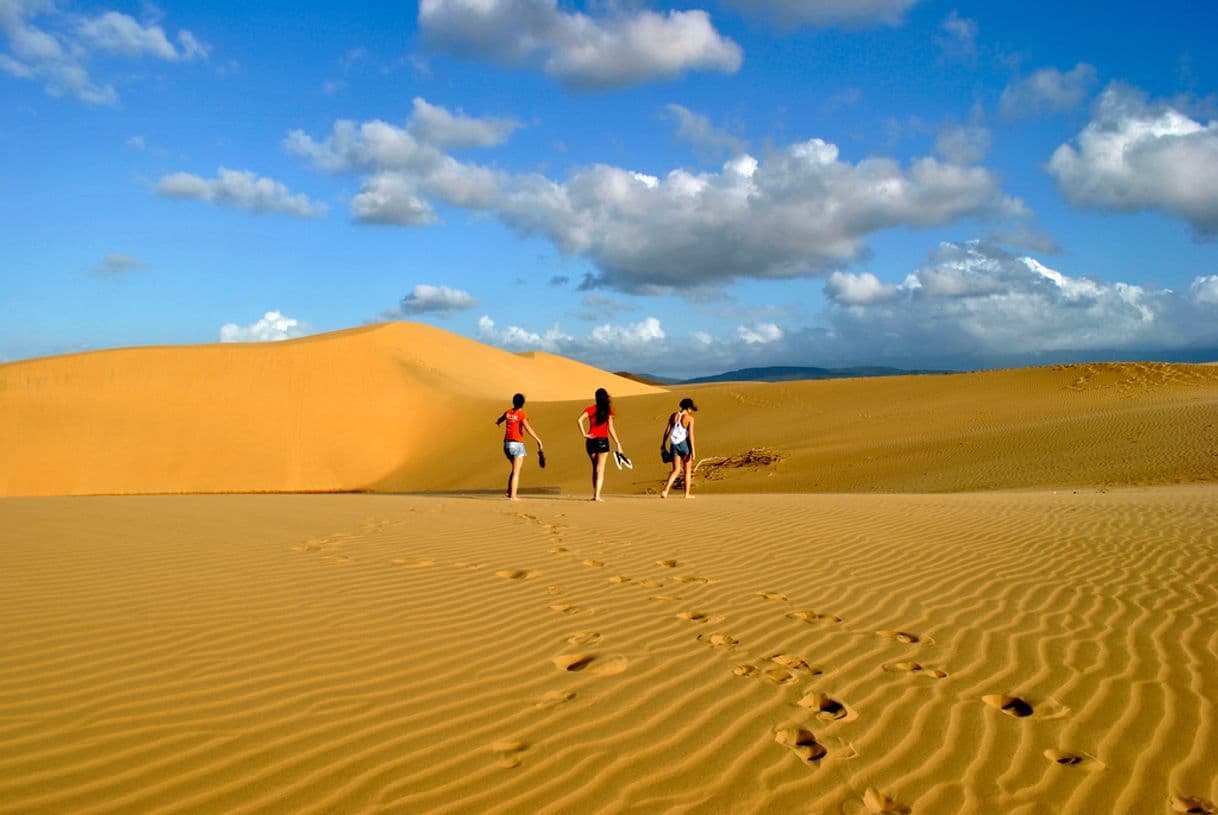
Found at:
[679, 433]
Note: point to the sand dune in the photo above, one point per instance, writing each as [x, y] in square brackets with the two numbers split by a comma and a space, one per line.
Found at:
[998, 652]
[409, 408]
[324, 413]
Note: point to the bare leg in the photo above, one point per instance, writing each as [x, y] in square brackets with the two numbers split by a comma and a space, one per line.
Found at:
[514, 478]
[672, 477]
[598, 475]
[689, 474]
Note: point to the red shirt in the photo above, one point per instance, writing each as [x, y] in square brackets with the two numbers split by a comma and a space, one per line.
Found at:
[514, 425]
[597, 431]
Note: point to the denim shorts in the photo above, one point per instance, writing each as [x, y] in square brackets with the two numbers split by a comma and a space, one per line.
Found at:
[513, 449]
[681, 449]
[599, 444]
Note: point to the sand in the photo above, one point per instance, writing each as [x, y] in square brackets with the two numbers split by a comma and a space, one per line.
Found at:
[978, 593]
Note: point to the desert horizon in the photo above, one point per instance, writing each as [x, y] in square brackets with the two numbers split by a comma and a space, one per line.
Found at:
[969, 593]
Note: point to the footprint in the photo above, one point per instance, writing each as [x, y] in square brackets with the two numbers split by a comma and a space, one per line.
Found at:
[692, 616]
[464, 564]
[826, 707]
[338, 559]
[619, 579]
[508, 752]
[517, 574]
[585, 638]
[882, 804]
[555, 697]
[1192, 804]
[1010, 705]
[795, 663]
[561, 551]
[719, 640]
[814, 617]
[914, 668]
[772, 595]
[565, 608]
[695, 581]
[555, 589]
[899, 636]
[594, 664]
[651, 584]
[413, 562]
[594, 564]
[1068, 759]
[666, 598]
[1021, 708]
[779, 677]
[745, 670]
[802, 743]
[668, 564]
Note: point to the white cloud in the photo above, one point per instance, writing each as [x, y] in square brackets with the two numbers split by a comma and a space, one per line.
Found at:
[759, 334]
[1135, 156]
[640, 333]
[517, 338]
[427, 299]
[843, 13]
[975, 300]
[47, 43]
[273, 326]
[1047, 91]
[433, 124]
[963, 144]
[799, 211]
[959, 38]
[697, 130]
[617, 49]
[1205, 290]
[240, 189]
[115, 264]
[863, 289]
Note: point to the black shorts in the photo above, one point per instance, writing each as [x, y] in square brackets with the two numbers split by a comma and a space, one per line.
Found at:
[597, 445]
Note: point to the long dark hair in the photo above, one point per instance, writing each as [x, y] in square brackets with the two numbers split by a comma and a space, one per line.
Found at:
[602, 406]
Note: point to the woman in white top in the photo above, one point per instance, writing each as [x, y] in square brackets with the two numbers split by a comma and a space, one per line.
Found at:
[679, 433]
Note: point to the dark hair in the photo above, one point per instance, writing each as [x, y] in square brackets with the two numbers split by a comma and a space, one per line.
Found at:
[688, 404]
[518, 401]
[602, 406]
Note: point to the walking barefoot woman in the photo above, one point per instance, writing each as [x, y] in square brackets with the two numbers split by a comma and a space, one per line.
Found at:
[680, 434]
[596, 424]
[513, 441]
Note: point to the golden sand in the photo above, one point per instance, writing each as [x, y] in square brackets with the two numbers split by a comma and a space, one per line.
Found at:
[978, 593]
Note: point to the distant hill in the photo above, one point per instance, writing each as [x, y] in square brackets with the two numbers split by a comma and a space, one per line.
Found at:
[779, 373]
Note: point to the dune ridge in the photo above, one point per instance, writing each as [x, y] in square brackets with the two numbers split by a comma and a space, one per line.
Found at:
[1013, 652]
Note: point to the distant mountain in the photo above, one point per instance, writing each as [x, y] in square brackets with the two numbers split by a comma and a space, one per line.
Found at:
[780, 373]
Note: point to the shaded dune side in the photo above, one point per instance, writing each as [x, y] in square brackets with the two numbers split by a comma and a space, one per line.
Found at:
[1061, 426]
[324, 413]
[390, 654]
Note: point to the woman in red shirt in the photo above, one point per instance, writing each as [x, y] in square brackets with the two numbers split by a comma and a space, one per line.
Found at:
[513, 441]
[596, 424]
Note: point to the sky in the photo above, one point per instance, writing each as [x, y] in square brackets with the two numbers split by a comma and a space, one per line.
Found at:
[668, 188]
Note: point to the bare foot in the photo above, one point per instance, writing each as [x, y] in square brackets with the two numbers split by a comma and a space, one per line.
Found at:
[664, 494]
[687, 495]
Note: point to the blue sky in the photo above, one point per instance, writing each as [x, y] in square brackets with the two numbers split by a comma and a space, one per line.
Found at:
[676, 188]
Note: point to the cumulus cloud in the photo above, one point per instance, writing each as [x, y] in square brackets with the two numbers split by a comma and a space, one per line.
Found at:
[427, 299]
[799, 211]
[958, 39]
[1135, 155]
[584, 53]
[697, 130]
[115, 264]
[975, 299]
[1047, 91]
[759, 334]
[273, 326]
[518, 339]
[47, 43]
[436, 125]
[240, 189]
[963, 144]
[843, 13]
